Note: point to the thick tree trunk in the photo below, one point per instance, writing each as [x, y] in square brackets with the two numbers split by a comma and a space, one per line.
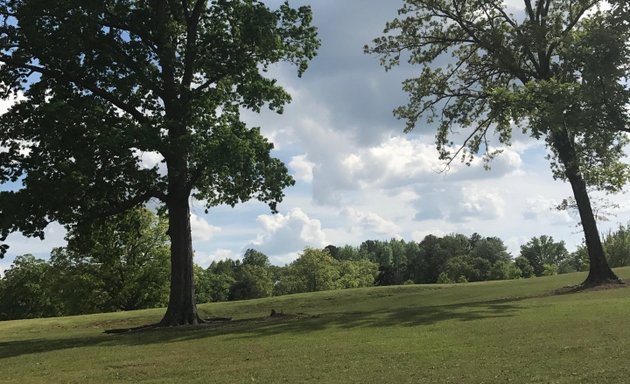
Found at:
[182, 309]
[599, 272]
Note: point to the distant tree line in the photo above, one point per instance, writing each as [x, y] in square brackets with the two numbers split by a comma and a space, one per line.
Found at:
[123, 264]
[255, 277]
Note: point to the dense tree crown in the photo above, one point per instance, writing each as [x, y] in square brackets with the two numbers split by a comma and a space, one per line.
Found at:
[116, 264]
[101, 82]
[556, 70]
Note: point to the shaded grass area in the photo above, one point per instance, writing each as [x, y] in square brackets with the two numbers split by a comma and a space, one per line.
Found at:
[492, 332]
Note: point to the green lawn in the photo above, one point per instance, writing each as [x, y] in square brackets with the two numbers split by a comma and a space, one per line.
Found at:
[492, 332]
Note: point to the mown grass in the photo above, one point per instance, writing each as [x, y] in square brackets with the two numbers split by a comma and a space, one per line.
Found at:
[492, 332]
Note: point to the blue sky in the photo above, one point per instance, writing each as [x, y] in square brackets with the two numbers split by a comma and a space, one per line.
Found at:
[358, 176]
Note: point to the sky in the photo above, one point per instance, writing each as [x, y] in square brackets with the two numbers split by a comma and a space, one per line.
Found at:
[358, 176]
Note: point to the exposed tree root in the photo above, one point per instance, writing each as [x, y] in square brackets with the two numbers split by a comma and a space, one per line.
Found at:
[586, 287]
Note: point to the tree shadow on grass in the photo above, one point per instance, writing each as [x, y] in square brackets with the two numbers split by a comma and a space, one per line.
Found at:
[412, 316]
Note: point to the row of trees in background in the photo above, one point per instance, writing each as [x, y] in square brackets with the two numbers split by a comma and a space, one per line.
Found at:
[123, 264]
[255, 277]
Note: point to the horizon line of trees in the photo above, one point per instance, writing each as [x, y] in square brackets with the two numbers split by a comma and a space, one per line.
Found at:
[123, 264]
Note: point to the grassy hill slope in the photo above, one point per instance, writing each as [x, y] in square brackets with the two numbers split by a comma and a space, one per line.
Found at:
[491, 332]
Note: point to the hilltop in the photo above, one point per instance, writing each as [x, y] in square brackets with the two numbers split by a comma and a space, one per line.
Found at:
[489, 332]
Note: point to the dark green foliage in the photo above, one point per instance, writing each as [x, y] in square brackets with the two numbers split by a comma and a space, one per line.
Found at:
[449, 258]
[617, 246]
[256, 258]
[215, 281]
[491, 249]
[543, 250]
[25, 291]
[119, 264]
[524, 266]
[347, 252]
[253, 277]
[252, 282]
[504, 270]
[203, 285]
[125, 258]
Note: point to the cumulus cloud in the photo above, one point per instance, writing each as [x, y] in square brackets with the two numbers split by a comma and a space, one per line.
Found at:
[459, 203]
[302, 168]
[7, 103]
[151, 159]
[540, 208]
[289, 233]
[418, 236]
[478, 203]
[201, 229]
[205, 259]
[399, 162]
[370, 222]
[54, 236]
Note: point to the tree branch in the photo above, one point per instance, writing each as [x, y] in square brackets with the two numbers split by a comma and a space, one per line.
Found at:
[192, 24]
[483, 126]
[530, 10]
[81, 83]
[121, 207]
[528, 52]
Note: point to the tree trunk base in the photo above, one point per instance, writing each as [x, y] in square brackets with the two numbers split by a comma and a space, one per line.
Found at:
[176, 321]
[599, 279]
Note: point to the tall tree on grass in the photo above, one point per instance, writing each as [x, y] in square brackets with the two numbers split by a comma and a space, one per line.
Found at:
[556, 70]
[102, 82]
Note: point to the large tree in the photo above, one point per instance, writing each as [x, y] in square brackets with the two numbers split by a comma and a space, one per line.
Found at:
[102, 82]
[554, 69]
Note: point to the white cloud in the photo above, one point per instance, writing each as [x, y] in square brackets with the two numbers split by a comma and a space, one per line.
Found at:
[540, 208]
[302, 168]
[418, 236]
[201, 229]
[458, 203]
[6, 104]
[288, 234]
[370, 222]
[513, 244]
[53, 237]
[400, 161]
[478, 203]
[205, 259]
[151, 159]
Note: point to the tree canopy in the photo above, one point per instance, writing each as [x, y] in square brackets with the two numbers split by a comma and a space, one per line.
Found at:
[101, 82]
[556, 70]
[116, 264]
[541, 251]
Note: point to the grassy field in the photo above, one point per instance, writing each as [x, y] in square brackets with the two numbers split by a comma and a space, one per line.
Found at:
[492, 332]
